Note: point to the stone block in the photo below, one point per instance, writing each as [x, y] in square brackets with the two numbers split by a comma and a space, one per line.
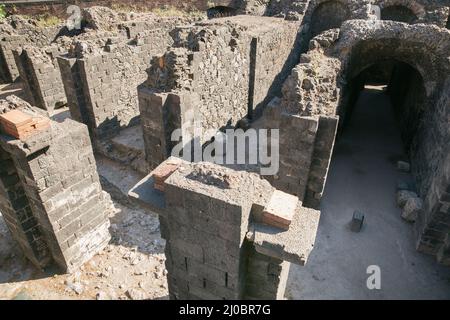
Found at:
[412, 209]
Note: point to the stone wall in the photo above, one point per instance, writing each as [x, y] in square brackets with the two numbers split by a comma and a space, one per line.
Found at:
[57, 201]
[326, 82]
[217, 247]
[101, 86]
[39, 71]
[17, 31]
[220, 71]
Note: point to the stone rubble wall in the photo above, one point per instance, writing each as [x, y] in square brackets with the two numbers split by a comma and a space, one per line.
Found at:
[59, 177]
[427, 11]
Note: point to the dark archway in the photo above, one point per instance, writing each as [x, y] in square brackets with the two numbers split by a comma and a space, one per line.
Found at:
[403, 85]
[220, 11]
[398, 13]
[448, 23]
[328, 15]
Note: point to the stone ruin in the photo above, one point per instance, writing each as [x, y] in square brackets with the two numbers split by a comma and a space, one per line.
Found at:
[297, 66]
[221, 242]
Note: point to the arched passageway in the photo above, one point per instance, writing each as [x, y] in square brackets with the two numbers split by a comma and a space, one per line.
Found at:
[403, 87]
[220, 11]
[328, 15]
[398, 13]
[363, 177]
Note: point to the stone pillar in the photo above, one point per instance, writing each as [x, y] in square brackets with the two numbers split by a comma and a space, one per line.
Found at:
[53, 194]
[217, 245]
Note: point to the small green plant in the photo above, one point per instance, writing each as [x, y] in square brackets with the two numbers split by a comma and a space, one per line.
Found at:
[171, 11]
[2, 12]
[44, 20]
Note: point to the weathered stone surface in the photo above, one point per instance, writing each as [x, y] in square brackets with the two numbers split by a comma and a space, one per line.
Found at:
[293, 245]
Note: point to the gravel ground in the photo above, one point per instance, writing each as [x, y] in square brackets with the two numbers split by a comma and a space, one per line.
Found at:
[130, 267]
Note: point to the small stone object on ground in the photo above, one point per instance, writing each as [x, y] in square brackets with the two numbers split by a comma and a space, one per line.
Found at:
[403, 166]
[357, 221]
[412, 209]
[135, 294]
[403, 196]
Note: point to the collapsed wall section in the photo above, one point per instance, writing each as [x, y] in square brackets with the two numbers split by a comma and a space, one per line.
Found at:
[56, 200]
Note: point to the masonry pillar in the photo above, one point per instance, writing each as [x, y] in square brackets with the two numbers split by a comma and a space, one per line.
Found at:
[52, 198]
[224, 239]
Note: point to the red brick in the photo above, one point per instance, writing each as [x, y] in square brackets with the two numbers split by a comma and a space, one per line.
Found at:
[280, 210]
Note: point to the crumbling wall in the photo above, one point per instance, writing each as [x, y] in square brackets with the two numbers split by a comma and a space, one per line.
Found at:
[217, 73]
[325, 83]
[61, 191]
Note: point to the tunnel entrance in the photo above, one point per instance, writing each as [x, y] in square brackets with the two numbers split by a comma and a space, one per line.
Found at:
[328, 15]
[404, 88]
[220, 11]
[398, 13]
